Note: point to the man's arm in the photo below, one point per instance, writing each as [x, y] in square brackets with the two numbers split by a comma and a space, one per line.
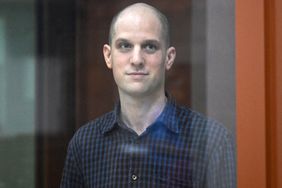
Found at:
[72, 173]
[221, 172]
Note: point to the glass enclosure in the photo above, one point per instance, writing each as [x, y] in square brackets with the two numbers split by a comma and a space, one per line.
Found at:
[53, 76]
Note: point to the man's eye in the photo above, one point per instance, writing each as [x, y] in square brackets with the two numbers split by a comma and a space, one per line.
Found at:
[124, 46]
[151, 48]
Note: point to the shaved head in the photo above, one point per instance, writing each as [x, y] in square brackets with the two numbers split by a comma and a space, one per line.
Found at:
[139, 8]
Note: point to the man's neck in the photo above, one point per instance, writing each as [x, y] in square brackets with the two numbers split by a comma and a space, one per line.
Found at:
[139, 113]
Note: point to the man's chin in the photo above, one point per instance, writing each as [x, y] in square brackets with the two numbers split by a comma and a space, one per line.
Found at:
[136, 92]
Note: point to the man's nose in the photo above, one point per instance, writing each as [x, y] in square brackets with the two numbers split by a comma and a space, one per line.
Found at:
[137, 58]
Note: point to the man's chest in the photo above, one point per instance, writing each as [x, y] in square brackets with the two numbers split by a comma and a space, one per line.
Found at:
[154, 162]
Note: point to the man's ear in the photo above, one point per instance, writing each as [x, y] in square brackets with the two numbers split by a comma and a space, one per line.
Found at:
[170, 57]
[107, 55]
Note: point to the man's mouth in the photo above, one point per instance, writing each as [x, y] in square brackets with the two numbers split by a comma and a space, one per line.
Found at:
[137, 73]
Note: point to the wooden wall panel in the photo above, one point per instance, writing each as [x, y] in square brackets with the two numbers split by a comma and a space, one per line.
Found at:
[273, 35]
[259, 93]
[278, 22]
[55, 88]
[250, 73]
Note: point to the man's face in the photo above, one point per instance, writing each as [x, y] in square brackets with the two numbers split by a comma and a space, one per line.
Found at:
[138, 55]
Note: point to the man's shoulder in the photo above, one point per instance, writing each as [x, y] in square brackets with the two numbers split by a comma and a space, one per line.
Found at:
[196, 122]
[96, 125]
[190, 116]
[201, 130]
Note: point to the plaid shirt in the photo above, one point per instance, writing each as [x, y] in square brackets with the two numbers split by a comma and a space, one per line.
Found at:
[181, 149]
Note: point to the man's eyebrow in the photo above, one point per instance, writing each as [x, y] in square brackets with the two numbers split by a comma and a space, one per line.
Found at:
[121, 40]
[145, 41]
[151, 41]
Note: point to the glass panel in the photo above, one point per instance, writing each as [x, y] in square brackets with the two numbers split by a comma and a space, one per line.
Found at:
[17, 95]
[213, 60]
[74, 85]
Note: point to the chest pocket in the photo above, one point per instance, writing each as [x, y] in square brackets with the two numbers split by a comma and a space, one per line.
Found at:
[174, 174]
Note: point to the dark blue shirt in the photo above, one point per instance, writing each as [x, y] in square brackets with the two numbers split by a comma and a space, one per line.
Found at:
[181, 149]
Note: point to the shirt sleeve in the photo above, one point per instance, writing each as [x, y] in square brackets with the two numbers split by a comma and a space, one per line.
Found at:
[221, 172]
[72, 174]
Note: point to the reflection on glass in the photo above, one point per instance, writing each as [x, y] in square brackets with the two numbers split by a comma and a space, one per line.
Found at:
[17, 96]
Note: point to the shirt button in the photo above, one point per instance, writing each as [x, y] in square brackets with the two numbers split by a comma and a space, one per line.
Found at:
[134, 177]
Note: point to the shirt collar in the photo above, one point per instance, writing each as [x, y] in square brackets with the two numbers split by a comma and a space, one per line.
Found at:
[168, 117]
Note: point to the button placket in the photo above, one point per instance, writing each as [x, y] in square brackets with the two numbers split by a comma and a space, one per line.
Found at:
[133, 175]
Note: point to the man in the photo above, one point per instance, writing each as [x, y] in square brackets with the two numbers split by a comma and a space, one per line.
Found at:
[147, 140]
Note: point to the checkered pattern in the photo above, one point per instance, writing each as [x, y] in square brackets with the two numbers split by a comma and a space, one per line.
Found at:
[181, 149]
